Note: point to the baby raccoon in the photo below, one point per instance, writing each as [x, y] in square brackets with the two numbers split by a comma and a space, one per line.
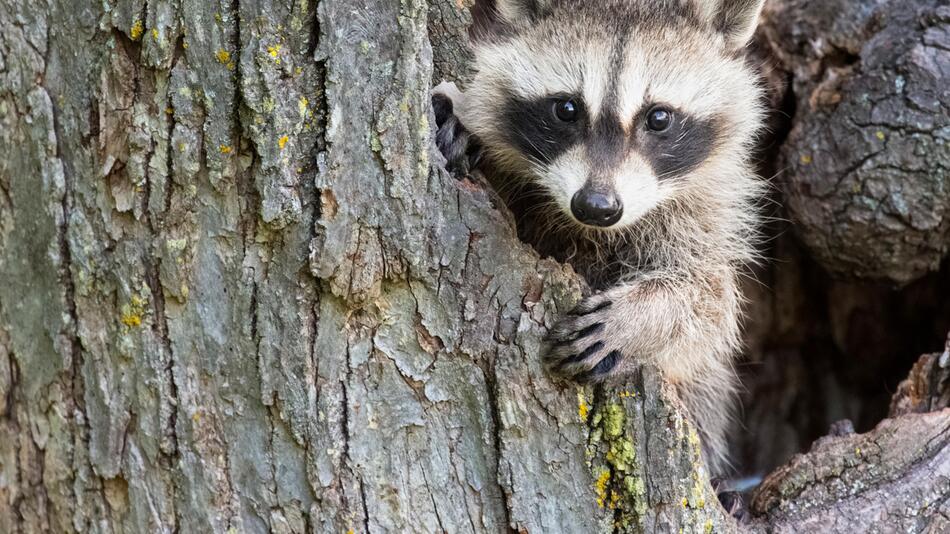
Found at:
[619, 132]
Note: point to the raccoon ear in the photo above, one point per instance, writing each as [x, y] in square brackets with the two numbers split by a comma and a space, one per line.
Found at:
[735, 19]
[514, 11]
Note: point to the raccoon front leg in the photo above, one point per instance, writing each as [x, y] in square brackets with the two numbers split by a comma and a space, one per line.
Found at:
[681, 323]
[455, 142]
[685, 324]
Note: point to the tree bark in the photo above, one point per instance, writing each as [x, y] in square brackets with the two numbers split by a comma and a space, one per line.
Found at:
[867, 163]
[895, 478]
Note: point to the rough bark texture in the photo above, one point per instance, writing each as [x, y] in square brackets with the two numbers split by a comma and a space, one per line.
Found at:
[867, 164]
[239, 293]
[927, 389]
[893, 479]
[824, 345]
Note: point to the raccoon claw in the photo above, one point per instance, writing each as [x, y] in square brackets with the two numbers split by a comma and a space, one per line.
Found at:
[454, 141]
[578, 346]
[592, 304]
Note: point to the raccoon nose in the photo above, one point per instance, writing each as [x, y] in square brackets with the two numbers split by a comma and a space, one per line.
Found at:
[596, 208]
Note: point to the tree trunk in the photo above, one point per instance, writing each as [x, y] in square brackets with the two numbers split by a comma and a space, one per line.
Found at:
[238, 293]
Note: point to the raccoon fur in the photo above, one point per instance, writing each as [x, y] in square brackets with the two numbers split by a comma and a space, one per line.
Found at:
[619, 133]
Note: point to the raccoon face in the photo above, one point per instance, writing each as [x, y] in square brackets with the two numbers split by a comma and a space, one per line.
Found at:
[613, 107]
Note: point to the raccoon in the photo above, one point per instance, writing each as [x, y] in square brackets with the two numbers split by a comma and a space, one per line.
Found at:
[620, 134]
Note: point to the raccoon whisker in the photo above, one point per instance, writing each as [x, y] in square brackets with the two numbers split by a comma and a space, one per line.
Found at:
[664, 175]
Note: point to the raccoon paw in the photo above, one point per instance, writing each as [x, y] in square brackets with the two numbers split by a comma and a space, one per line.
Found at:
[734, 504]
[454, 141]
[583, 346]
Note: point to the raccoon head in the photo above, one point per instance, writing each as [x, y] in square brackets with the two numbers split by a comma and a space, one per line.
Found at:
[616, 107]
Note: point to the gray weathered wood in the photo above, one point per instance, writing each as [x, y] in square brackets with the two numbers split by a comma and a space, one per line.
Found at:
[893, 479]
[239, 293]
[867, 163]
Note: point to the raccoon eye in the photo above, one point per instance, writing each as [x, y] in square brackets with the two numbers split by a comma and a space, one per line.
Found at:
[659, 119]
[566, 110]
